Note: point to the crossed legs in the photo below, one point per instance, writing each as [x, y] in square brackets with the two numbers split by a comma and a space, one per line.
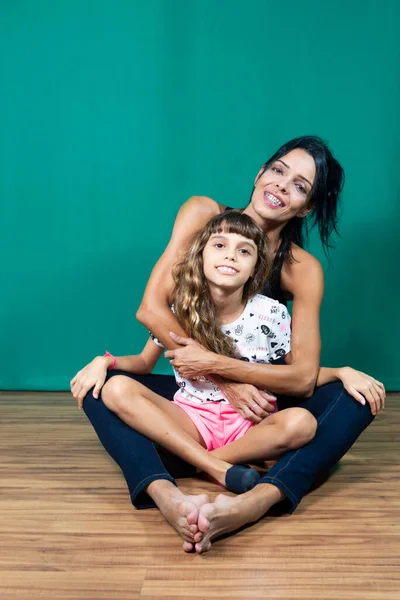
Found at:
[340, 422]
[167, 424]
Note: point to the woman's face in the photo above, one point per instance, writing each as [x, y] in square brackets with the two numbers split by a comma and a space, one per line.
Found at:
[283, 190]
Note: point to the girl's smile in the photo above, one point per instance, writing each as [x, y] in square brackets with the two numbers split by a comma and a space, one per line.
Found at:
[229, 260]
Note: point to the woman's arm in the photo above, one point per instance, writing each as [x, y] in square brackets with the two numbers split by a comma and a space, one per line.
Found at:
[154, 312]
[328, 375]
[361, 386]
[94, 374]
[304, 280]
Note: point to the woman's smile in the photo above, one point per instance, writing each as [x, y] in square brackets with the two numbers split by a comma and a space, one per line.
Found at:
[273, 201]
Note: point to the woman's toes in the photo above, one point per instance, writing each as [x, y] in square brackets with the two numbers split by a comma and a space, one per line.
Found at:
[205, 516]
[192, 520]
[198, 536]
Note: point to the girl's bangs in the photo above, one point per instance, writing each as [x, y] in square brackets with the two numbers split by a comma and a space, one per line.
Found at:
[237, 226]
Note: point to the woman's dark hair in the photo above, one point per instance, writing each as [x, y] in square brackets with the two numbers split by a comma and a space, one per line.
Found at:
[324, 199]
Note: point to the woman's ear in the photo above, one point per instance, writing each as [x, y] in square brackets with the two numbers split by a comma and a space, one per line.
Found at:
[305, 211]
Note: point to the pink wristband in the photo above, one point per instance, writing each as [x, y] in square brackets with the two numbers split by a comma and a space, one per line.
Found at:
[114, 362]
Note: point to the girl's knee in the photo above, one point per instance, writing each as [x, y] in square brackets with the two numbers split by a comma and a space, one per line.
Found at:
[299, 428]
[115, 391]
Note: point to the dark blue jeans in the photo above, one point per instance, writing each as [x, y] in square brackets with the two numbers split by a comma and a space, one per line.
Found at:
[341, 420]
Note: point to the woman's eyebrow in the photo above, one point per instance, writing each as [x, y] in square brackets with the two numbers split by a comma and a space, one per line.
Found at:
[281, 161]
[305, 179]
[301, 176]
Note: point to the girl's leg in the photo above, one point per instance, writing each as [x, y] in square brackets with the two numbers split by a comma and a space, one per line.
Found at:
[286, 430]
[162, 421]
[135, 454]
[149, 483]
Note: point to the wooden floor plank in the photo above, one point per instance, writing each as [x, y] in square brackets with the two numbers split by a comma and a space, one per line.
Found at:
[68, 530]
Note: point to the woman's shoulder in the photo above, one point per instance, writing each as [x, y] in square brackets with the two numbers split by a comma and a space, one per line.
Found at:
[303, 271]
[192, 217]
[202, 206]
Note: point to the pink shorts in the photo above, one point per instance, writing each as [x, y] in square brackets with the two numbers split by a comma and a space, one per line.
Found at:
[217, 422]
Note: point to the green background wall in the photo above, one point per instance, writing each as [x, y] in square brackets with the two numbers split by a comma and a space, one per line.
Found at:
[113, 113]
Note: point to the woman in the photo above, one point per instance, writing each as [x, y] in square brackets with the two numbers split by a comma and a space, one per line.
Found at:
[301, 178]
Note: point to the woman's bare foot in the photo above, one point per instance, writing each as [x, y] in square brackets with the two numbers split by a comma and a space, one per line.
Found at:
[226, 514]
[180, 510]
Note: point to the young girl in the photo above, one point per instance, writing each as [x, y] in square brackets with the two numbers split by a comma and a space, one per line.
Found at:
[216, 301]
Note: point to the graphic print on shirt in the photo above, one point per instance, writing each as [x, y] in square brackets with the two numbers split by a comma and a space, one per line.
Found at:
[238, 330]
[261, 335]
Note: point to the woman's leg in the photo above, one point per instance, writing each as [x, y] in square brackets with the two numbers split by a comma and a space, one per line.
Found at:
[135, 454]
[164, 422]
[283, 431]
[341, 420]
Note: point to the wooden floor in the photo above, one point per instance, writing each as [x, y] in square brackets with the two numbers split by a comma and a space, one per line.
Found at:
[68, 530]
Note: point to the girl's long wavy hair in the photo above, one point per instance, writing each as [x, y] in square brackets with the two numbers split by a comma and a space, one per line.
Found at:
[192, 300]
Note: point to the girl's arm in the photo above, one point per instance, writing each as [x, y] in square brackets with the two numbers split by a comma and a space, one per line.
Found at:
[138, 364]
[95, 373]
[304, 280]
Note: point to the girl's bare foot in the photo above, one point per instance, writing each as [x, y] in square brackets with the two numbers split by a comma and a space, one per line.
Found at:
[226, 514]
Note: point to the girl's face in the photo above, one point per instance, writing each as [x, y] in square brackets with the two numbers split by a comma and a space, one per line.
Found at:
[229, 260]
[284, 189]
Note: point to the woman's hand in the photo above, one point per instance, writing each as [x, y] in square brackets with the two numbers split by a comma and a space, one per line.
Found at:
[93, 375]
[251, 403]
[191, 360]
[363, 388]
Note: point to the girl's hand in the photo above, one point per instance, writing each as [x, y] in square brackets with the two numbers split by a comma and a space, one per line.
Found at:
[93, 375]
[363, 388]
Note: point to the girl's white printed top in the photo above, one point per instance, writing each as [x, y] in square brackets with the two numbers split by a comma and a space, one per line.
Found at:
[261, 335]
